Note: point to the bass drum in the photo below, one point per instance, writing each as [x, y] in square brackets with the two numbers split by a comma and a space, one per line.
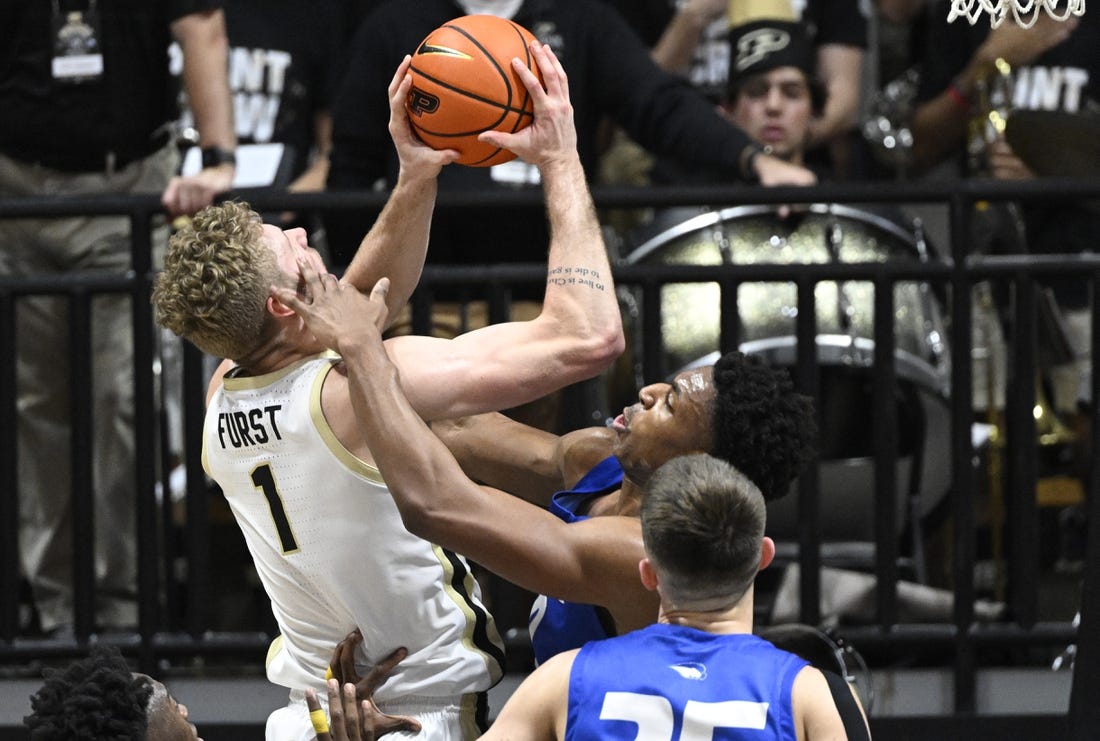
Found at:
[749, 235]
[827, 651]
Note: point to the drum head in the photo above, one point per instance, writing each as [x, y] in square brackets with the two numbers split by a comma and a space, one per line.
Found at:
[747, 235]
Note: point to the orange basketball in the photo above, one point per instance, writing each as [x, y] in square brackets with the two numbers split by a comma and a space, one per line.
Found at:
[464, 84]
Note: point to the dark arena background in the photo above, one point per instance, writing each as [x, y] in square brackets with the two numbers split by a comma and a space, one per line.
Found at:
[975, 609]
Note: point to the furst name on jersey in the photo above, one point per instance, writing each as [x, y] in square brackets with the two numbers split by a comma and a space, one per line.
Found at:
[253, 427]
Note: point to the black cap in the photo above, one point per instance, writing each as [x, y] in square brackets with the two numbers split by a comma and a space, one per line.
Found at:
[764, 45]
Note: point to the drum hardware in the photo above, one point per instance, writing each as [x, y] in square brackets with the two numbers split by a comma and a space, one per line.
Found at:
[886, 128]
[826, 650]
[992, 109]
[834, 238]
[1068, 656]
[722, 241]
[1050, 430]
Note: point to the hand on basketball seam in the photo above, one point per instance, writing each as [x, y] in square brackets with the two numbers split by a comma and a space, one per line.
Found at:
[552, 136]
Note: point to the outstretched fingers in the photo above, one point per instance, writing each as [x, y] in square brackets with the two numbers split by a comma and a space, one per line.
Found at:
[400, 79]
[380, 672]
[311, 284]
[553, 73]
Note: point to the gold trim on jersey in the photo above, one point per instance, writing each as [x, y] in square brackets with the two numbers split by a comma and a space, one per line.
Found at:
[468, 717]
[202, 453]
[481, 618]
[244, 383]
[349, 459]
[273, 650]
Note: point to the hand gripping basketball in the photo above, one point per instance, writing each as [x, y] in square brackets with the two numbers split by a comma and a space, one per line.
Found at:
[553, 135]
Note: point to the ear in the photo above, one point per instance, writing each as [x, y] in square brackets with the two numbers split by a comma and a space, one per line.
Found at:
[767, 552]
[648, 574]
[277, 308]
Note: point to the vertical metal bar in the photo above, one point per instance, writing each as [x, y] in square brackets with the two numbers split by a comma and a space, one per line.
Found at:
[500, 302]
[1084, 710]
[422, 301]
[198, 497]
[962, 454]
[174, 599]
[82, 436]
[807, 381]
[141, 246]
[653, 346]
[1022, 534]
[9, 479]
[884, 426]
[730, 329]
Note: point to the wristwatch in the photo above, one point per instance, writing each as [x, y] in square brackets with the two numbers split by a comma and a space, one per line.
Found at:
[214, 156]
[748, 161]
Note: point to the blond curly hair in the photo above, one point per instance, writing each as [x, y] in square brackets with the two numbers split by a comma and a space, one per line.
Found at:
[216, 279]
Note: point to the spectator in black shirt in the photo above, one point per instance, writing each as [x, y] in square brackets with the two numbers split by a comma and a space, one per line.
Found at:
[91, 116]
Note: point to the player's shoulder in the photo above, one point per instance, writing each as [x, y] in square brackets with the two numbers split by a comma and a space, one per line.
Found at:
[583, 449]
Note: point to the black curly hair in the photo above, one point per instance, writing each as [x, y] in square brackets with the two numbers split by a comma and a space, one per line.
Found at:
[96, 698]
[761, 425]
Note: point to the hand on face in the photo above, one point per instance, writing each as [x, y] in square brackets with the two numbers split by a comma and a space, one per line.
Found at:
[334, 311]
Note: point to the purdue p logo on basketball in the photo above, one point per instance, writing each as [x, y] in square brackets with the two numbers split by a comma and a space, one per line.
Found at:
[755, 45]
[421, 102]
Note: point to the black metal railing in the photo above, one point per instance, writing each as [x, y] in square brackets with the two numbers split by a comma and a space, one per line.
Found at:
[175, 566]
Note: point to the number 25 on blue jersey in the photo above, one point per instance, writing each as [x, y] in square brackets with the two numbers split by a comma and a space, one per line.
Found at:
[656, 720]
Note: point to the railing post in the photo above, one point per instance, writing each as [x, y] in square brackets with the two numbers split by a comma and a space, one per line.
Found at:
[9, 478]
[885, 430]
[962, 454]
[1022, 516]
[82, 436]
[1084, 710]
[807, 381]
[145, 423]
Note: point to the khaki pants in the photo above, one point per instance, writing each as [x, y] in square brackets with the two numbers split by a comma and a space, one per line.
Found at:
[36, 247]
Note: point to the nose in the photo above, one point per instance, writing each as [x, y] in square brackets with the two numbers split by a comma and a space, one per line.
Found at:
[648, 395]
[774, 99]
[298, 236]
[183, 709]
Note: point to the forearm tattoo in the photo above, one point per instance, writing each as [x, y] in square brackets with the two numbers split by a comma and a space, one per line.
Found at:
[578, 276]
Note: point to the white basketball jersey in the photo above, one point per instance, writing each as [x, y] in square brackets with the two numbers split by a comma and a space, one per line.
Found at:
[330, 548]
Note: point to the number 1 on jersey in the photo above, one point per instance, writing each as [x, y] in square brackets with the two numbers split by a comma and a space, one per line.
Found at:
[264, 480]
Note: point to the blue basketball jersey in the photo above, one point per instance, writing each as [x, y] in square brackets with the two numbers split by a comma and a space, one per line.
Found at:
[673, 683]
[556, 625]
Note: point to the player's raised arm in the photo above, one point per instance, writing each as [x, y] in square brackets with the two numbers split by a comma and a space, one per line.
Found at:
[578, 334]
[397, 243]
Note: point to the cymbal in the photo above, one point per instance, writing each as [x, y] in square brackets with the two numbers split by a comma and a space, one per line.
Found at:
[1053, 143]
